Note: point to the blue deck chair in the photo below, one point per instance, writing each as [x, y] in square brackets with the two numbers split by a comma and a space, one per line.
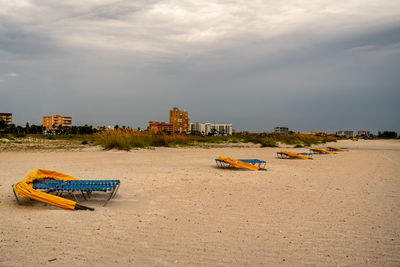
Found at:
[70, 186]
[256, 162]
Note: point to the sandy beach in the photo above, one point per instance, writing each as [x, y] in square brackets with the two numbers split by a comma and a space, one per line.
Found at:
[175, 207]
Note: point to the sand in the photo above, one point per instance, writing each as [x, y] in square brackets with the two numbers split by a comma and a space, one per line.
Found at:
[175, 207]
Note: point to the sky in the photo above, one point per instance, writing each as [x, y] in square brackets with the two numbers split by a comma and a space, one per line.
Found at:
[307, 65]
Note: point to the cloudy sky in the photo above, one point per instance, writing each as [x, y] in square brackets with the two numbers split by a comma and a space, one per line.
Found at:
[307, 65]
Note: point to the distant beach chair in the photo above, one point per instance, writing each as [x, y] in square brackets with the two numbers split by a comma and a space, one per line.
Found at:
[320, 151]
[332, 148]
[283, 154]
[251, 164]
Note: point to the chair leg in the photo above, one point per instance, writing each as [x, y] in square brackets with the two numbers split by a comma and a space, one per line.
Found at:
[116, 190]
[112, 192]
[15, 194]
[81, 207]
[83, 195]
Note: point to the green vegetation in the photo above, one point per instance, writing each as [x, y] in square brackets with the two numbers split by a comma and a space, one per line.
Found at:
[126, 139]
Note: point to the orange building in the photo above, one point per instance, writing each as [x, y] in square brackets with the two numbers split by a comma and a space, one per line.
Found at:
[179, 120]
[55, 121]
[160, 126]
[7, 117]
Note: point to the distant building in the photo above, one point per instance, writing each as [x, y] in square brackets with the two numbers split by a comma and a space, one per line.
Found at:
[156, 126]
[211, 128]
[363, 133]
[198, 127]
[346, 133]
[316, 133]
[281, 130]
[179, 120]
[56, 121]
[7, 117]
[222, 129]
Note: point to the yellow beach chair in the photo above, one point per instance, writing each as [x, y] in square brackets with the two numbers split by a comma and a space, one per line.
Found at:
[332, 148]
[254, 165]
[283, 154]
[320, 151]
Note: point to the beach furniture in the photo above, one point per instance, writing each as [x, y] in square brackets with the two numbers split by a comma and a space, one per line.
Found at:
[320, 151]
[332, 148]
[58, 183]
[251, 164]
[283, 154]
[83, 186]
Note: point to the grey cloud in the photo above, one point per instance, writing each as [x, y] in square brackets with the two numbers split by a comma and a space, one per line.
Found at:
[253, 66]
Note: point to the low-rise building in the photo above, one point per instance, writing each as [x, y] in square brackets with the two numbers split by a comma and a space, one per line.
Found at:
[156, 126]
[211, 128]
[281, 130]
[55, 121]
[7, 117]
[202, 128]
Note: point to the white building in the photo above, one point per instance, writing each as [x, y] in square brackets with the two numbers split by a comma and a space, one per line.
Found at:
[211, 128]
[346, 133]
[363, 133]
[281, 130]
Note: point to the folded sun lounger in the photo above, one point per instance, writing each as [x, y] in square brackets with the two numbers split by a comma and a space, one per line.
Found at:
[321, 151]
[84, 186]
[252, 164]
[57, 182]
[290, 155]
[332, 148]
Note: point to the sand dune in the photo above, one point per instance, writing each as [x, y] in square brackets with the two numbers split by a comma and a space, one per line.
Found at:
[175, 207]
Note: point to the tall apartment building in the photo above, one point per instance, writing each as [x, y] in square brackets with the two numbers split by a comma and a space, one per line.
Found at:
[211, 128]
[281, 130]
[179, 120]
[55, 121]
[7, 117]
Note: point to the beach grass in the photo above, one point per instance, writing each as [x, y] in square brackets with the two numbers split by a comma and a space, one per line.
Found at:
[126, 139]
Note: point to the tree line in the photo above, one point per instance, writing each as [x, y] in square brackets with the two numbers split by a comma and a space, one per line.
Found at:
[20, 131]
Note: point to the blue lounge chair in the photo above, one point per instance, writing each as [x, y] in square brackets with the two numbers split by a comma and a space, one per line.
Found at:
[256, 162]
[70, 186]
